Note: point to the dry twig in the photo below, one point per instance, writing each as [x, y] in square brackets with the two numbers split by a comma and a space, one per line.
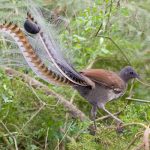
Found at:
[146, 138]
[76, 113]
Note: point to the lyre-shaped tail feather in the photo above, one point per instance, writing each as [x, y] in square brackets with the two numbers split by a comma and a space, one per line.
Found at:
[30, 56]
[53, 50]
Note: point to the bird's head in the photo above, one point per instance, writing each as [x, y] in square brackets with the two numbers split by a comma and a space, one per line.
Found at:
[128, 73]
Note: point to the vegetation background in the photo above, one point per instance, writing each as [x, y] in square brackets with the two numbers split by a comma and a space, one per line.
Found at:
[97, 34]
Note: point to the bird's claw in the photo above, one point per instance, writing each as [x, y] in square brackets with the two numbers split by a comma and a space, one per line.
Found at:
[119, 128]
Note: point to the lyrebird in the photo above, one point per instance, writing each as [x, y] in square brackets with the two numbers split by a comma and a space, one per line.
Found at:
[98, 86]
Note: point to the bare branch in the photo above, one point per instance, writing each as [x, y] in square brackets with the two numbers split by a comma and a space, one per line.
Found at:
[109, 38]
[138, 100]
[76, 113]
[146, 138]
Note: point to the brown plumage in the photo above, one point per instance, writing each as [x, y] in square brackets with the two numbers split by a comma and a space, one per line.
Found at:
[104, 77]
[108, 86]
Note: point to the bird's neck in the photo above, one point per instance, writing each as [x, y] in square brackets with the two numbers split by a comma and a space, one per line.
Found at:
[124, 77]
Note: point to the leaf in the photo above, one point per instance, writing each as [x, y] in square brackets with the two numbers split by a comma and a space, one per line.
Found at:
[5, 87]
[6, 99]
[125, 11]
[79, 38]
[105, 51]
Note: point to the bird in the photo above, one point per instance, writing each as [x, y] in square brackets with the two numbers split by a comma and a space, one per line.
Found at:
[104, 85]
[97, 86]
[108, 86]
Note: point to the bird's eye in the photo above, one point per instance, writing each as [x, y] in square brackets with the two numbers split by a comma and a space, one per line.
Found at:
[131, 73]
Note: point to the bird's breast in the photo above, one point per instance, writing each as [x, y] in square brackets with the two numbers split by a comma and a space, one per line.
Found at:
[112, 95]
[99, 94]
[116, 92]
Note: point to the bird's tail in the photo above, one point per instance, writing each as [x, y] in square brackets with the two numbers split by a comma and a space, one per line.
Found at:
[48, 43]
[41, 49]
[30, 55]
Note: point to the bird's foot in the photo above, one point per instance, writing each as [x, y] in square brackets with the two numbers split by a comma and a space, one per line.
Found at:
[92, 130]
[119, 128]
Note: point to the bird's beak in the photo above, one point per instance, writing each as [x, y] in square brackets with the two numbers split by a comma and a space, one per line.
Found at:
[137, 76]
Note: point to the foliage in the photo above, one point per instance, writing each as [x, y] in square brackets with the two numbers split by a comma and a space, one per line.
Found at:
[105, 34]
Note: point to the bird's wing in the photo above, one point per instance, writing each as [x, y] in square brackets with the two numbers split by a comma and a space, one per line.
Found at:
[105, 77]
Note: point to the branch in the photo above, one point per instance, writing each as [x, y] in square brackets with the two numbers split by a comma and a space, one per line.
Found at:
[138, 100]
[146, 138]
[109, 38]
[76, 113]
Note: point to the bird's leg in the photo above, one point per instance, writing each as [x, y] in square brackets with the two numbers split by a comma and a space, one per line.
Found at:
[102, 106]
[93, 114]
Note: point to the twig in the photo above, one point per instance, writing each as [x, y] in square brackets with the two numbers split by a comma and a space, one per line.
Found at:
[135, 123]
[133, 141]
[40, 100]
[139, 147]
[108, 19]
[91, 64]
[64, 135]
[7, 143]
[34, 115]
[67, 136]
[146, 138]
[105, 117]
[110, 10]
[14, 138]
[73, 96]
[38, 85]
[12, 133]
[138, 100]
[117, 113]
[106, 37]
[131, 88]
[67, 115]
[146, 84]
[130, 124]
[99, 29]
[46, 139]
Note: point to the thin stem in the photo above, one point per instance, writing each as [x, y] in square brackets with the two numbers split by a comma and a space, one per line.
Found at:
[146, 84]
[33, 116]
[117, 119]
[99, 29]
[138, 100]
[46, 139]
[127, 60]
[135, 123]
[14, 138]
[64, 136]
[133, 141]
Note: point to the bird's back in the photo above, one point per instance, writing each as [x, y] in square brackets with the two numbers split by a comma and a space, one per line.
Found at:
[104, 77]
[108, 86]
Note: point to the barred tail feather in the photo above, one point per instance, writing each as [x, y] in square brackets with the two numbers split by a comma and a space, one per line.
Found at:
[52, 48]
[30, 56]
